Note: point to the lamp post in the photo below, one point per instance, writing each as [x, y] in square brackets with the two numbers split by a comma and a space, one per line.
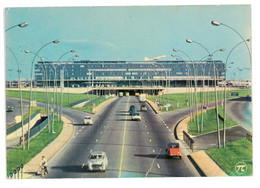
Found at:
[225, 89]
[215, 23]
[20, 91]
[216, 99]
[194, 77]
[24, 24]
[29, 123]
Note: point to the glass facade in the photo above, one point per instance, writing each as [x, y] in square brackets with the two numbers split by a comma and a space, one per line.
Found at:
[89, 73]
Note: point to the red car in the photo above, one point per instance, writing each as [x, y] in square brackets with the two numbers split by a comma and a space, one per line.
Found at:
[173, 150]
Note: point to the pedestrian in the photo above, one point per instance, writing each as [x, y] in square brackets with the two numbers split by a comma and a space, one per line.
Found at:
[44, 164]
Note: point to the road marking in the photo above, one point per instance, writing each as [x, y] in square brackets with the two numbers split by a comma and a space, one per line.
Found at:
[104, 126]
[90, 151]
[158, 165]
[171, 133]
[150, 140]
[77, 133]
[147, 132]
[83, 127]
[145, 126]
[122, 152]
[153, 151]
[96, 140]
[101, 132]
[79, 130]
[169, 130]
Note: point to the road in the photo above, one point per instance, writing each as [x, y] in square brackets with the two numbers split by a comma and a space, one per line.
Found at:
[131, 147]
[240, 110]
[10, 116]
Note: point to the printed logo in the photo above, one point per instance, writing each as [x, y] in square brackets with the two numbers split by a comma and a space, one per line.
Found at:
[241, 168]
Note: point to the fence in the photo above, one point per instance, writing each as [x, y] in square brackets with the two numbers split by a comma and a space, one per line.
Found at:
[38, 128]
[19, 125]
[188, 140]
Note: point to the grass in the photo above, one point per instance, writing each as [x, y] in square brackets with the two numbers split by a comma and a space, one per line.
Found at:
[89, 108]
[17, 156]
[234, 152]
[181, 97]
[210, 123]
[67, 99]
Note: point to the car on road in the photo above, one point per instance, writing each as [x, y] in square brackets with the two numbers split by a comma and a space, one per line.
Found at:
[10, 108]
[97, 161]
[173, 150]
[136, 117]
[88, 120]
[143, 107]
[248, 98]
[132, 110]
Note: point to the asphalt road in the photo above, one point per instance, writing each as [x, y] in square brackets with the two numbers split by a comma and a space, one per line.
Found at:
[10, 116]
[131, 147]
[240, 110]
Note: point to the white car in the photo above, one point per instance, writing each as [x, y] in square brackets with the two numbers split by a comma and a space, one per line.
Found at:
[136, 117]
[88, 120]
[97, 160]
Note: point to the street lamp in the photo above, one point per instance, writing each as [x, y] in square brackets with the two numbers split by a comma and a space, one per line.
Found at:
[20, 91]
[225, 98]
[29, 123]
[24, 24]
[215, 23]
[216, 99]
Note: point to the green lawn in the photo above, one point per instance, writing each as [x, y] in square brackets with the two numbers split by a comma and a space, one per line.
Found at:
[89, 108]
[17, 156]
[233, 153]
[181, 97]
[210, 123]
[68, 98]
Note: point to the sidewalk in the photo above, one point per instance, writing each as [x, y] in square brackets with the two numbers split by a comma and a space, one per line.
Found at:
[32, 166]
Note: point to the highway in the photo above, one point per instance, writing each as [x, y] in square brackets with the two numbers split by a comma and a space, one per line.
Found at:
[131, 147]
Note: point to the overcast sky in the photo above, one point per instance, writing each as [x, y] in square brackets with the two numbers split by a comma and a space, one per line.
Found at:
[127, 33]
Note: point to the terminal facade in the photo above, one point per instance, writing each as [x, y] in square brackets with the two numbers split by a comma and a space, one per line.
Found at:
[128, 73]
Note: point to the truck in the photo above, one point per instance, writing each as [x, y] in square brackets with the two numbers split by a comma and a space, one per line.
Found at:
[121, 94]
[142, 98]
[127, 94]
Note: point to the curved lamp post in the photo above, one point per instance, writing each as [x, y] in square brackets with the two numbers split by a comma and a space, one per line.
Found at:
[225, 98]
[194, 76]
[20, 91]
[216, 99]
[24, 24]
[215, 23]
[29, 123]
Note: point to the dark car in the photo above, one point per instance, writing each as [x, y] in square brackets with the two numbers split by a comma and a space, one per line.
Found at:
[248, 98]
[143, 108]
[10, 109]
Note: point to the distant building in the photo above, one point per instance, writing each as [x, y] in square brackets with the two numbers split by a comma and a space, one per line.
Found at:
[125, 73]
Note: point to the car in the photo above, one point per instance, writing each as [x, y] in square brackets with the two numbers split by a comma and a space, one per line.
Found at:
[132, 110]
[173, 150]
[97, 161]
[10, 109]
[248, 98]
[88, 120]
[143, 108]
[136, 117]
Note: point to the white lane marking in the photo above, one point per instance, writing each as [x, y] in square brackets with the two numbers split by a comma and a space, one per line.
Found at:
[158, 165]
[79, 130]
[169, 130]
[90, 151]
[104, 126]
[77, 133]
[101, 132]
[147, 132]
[172, 134]
[153, 151]
[150, 140]
[83, 127]
[96, 140]
[167, 127]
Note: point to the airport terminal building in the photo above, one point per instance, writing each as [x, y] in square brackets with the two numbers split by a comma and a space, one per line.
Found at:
[128, 73]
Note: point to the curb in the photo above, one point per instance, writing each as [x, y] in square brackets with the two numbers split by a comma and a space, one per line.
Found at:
[152, 105]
